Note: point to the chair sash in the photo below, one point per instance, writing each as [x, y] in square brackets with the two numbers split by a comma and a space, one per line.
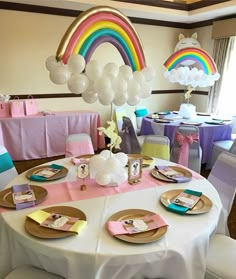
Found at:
[184, 142]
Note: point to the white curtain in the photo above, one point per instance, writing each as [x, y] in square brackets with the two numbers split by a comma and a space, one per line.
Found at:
[222, 94]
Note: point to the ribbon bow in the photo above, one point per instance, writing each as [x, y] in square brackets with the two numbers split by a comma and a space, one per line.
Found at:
[184, 142]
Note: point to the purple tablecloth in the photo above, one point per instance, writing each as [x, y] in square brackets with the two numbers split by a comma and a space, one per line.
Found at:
[39, 136]
[208, 134]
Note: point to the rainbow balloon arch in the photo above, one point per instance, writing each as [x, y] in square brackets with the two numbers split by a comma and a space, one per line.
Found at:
[202, 72]
[111, 84]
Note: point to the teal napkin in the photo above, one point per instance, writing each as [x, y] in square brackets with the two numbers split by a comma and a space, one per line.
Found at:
[36, 177]
[182, 209]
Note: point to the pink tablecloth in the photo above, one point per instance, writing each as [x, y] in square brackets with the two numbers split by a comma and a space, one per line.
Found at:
[39, 136]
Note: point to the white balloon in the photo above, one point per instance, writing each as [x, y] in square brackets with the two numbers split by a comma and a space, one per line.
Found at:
[106, 154]
[103, 178]
[120, 99]
[59, 75]
[139, 77]
[93, 70]
[121, 176]
[134, 88]
[76, 63]
[97, 162]
[133, 100]
[89, 97]
[149, 73]
[122, 157]
[112, 164]
[126, 72]
[101, 84]
[51, 63]
[78, 83]
[119, 84]
[111, 70]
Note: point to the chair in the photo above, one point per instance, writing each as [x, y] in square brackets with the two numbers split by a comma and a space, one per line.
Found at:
[119, 113]
[78, 144]
[221, 258]
[156, 146]
[186, 149]
[140, 112]
[223, 178]
[7, 168]
[30, 272]
[220, 146]
[131, 143]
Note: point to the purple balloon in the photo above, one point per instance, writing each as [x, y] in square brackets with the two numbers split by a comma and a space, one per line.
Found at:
[113, 41]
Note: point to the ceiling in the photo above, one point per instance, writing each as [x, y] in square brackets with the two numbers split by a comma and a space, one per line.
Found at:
[184, 11]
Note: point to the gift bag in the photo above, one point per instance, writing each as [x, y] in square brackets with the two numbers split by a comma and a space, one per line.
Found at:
[17, 108]
[4, 109]
[31, 106]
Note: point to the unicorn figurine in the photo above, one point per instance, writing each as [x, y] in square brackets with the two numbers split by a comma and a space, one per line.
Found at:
[110, 133]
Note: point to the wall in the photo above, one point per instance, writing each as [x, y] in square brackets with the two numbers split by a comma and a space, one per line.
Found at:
[27, 39]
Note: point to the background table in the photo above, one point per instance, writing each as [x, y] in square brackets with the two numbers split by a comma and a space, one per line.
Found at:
[95, 254]
[208, 133]
[40, 136]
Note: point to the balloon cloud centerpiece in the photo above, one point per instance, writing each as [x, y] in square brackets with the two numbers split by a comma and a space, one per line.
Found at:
[190, 66]
[111, 84]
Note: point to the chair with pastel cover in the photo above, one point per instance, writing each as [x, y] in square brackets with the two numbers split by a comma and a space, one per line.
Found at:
[186, 149]
[131, 143]
[223, 178]
[119, 113]
[156, 146]
[140, 112]
[221, 258]
[78, 144]
[7, 168]
[221, 146]
[31, 272]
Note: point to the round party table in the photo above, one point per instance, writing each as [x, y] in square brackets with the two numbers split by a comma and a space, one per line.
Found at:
[94, 253]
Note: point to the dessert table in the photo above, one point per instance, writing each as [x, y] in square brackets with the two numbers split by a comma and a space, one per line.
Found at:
[42, 136]
[94, 253]
[208, 133]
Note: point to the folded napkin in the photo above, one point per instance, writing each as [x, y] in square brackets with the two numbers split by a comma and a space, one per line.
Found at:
[23, 196]
[36, 177]
[131, 226]
[175, 177]
[58, 221]
[180, 209]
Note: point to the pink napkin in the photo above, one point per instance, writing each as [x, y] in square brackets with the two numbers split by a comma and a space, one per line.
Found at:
[152, 221]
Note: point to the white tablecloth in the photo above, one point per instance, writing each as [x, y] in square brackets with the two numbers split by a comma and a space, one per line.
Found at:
[95, 254]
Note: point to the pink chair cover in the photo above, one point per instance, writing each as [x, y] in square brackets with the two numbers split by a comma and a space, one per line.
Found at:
[184, 142]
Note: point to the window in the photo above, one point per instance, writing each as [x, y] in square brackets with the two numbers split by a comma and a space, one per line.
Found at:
[226, 104]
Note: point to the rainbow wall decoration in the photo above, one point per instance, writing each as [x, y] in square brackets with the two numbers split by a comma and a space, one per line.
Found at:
[99, 25]
[200, 56]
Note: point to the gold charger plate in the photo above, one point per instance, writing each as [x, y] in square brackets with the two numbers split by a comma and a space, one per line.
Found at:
[159, 176]
[6, 199]
[202, 206]
[147, 161]
[143, 237]
[35, 229]
[62, 173]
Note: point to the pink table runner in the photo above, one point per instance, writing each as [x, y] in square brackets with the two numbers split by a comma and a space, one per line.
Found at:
[70, 191]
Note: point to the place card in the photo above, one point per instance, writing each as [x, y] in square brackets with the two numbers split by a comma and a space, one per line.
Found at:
[59, 222]
[22, 194]
[187, 199]
[134, 170]
[47, 172]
